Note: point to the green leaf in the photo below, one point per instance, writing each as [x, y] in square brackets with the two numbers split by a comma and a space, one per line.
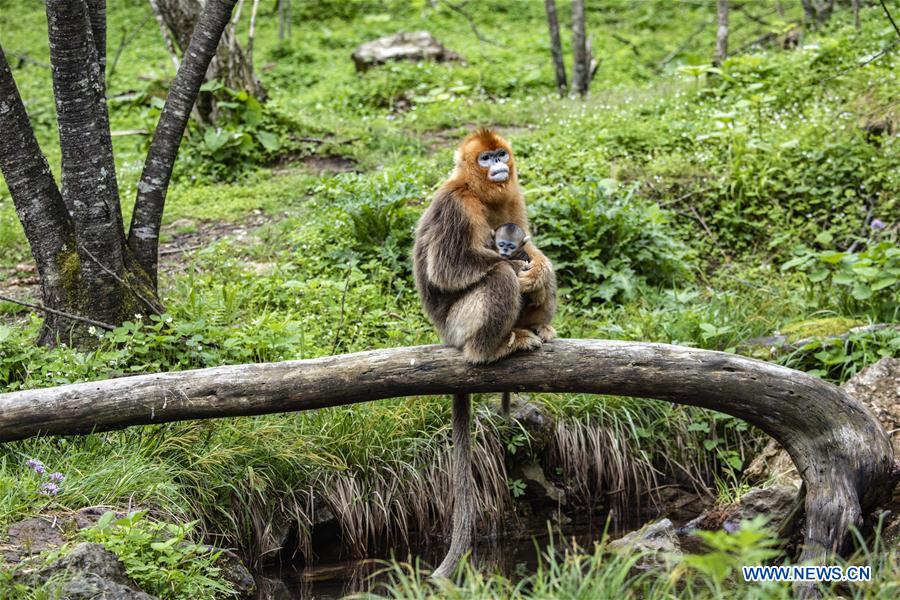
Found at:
[268, 140]
[215, 139]
[824, 238]
[105, 519]
[818, 275]
[842, 278]
[794, 262]
[878, 285]
[862, 292]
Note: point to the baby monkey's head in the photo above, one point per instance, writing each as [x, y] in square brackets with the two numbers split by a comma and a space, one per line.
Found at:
[509, 239]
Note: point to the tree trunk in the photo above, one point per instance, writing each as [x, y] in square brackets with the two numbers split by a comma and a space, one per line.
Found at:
[856, 14]
[721, 33]
[284, 19]
[146, 220]
[88, 271]
[581, 65]
[841, 450]
[559, 65]
[230, 65]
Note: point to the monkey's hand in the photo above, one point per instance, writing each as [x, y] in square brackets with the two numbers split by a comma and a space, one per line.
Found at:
[520, 265]
[529, 280]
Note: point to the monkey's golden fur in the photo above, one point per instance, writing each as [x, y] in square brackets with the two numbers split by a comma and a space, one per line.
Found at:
[471, 294]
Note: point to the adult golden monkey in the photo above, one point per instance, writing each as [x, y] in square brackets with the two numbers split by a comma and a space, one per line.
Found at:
[472, 295]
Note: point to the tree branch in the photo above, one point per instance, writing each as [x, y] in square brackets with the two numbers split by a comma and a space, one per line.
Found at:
[841, 450]
[58, 313]
[143, 234]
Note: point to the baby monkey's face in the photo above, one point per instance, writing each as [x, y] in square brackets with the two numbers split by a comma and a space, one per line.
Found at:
[509, 239]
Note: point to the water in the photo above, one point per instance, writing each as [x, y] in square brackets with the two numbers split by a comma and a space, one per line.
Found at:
[512, 557]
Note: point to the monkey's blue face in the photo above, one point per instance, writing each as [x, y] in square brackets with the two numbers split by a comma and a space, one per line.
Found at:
[495, 161]
[506, 248]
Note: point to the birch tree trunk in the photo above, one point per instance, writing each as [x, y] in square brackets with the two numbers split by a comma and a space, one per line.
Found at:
[88, 269]
[581, 64]
[721, 33]
[559, 66]
[231, 65]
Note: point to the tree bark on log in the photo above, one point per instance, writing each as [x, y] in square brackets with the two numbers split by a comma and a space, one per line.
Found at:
[840, 449]
[559, 66]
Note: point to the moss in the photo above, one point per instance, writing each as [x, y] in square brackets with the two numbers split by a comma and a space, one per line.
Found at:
[830, 326]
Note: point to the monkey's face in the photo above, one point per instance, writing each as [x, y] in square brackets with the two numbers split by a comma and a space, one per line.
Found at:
[497, 164]
[486, 156]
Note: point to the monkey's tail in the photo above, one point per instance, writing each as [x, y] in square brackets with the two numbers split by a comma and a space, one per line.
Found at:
[463, 487]
[504, 404]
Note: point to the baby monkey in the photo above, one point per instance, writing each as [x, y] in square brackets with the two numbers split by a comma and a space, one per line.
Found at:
[509, 241]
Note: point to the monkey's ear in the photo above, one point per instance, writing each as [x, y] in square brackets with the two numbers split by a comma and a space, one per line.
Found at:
[493, 234]
[526, 239]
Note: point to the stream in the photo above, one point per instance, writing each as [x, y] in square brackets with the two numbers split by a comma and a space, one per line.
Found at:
[513, 557]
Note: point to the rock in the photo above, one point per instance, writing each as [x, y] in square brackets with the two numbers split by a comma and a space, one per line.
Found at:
[774, 465]
[236, 573]
[877, 387]
[88, 557]
[658, 540]
[32, 536]
[539, 492]
[406, 45]
[535, 420]
[774, 502]
[88, 586]
[90, 572]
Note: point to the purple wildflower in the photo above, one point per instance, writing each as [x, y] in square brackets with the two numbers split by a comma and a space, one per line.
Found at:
[49, 489]
[37, 465]
[57, 477]
[878, 224]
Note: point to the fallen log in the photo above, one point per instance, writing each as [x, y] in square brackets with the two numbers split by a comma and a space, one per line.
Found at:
[840, 449]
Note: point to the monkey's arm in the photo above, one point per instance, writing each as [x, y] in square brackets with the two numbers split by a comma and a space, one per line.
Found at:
[456, 258]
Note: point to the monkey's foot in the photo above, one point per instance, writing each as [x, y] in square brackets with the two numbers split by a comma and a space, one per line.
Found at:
[545, 332]
[522, 339]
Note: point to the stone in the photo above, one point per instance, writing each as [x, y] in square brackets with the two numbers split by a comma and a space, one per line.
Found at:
[539, 492]
[32, 536]
[536, 420]
[88, 557]
[774, 502]
[88, 586]
[235, 572]
[406, 45]
[91, 572]
[658, 541]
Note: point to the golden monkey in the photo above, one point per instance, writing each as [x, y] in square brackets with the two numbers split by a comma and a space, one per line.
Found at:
[472, 295]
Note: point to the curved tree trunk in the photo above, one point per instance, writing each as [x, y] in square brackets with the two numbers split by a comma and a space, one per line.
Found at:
[840, 449]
